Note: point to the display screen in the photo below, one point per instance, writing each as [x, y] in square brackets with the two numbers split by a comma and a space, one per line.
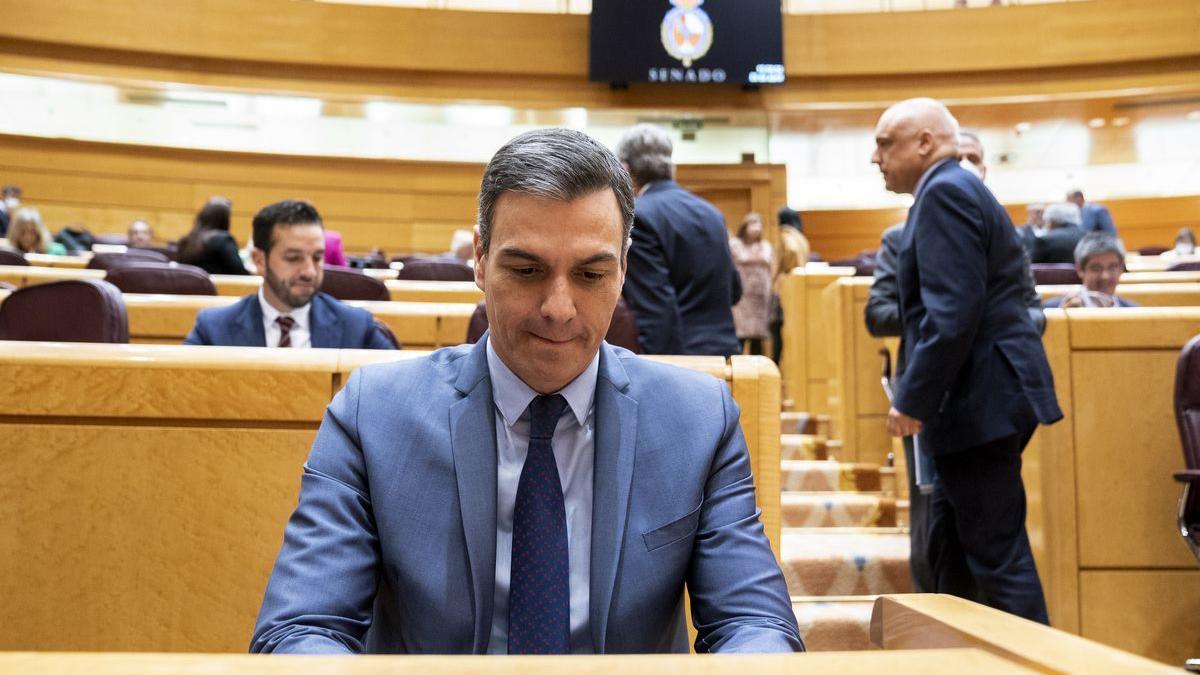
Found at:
[686, 41]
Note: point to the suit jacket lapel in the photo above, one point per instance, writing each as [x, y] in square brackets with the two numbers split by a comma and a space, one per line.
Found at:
[248, 329]
[325, 328]
[615, 441]
[473, 442]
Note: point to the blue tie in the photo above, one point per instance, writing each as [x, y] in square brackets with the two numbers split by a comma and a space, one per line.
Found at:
[539, 592]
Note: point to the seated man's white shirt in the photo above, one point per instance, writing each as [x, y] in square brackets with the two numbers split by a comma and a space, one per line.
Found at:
[301, 332]
[574, 453]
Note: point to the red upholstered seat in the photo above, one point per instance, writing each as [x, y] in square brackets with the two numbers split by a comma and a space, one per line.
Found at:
[1190, 266]
[117, 239]
[155, 277]
[103, 261]
[1187, 416]
[73, 310]
[11, 256]
[622, 332]
[431, 269]
[348, 284]
[1055, 273]
[1153, 250]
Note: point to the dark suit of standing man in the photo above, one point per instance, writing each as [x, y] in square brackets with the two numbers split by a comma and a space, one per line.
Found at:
[977, 382]
[935, 566]
[681, 284]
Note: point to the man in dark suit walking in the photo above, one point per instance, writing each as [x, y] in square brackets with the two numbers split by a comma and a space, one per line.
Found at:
[977, 382]
[289, 311]
[681, 283]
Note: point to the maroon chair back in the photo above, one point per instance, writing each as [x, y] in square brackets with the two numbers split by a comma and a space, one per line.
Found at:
[1153, 250]
[622, 332]
[1190, 266]
[73, 310]
[153, 277]
[347, 284]
[112, 239]
[104, 261]
[11, 256]
[1055, 274]
[428, 269]
[5, 286]
[1187, 416]
[171, 251]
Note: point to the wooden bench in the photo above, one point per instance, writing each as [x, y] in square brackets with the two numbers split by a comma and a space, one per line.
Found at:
[147, 486]
[805, 363]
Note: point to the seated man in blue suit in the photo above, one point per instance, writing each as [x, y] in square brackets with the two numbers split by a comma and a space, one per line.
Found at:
[976, 381]
[288, 311]
[539, 492]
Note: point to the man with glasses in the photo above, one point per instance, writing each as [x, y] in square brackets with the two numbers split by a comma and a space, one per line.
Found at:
[1100, 261]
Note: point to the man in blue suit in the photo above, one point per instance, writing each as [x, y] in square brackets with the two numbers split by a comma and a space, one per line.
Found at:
[682, 284]
[289, 311]
[1094, 217]
[977, 382]
[539, 492]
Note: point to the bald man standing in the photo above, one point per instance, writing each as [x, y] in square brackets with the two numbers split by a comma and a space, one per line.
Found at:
[977, 382]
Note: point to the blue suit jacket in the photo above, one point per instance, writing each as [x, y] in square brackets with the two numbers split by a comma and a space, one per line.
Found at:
[976, 369]
[1096, 218]
[393, 545]
[333, 325]
[681, 283]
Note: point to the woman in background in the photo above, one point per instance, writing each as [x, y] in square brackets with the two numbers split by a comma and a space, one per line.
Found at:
[753, 257]
[209, 245]
[28, 234]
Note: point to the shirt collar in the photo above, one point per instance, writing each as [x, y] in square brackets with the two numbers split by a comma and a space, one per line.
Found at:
[299, 314]
[929, 172]
[513, 396]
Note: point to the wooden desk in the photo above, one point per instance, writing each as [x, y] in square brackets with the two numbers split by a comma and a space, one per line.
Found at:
[947, 622]
[147, 486]
[806, 336]
[25, 275]
[1183, 294]
[77, 262]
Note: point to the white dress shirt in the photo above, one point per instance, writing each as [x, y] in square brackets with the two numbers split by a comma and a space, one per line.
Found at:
[574, 451]
[301, 333]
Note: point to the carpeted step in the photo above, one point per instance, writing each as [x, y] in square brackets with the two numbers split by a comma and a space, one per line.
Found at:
[846, 561]
[839, 509]
[825, 476]
[804, 423]
[803, 447]
[830, 624]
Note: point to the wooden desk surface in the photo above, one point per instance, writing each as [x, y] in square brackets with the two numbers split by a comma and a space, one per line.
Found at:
[58, 261]
[927, 662]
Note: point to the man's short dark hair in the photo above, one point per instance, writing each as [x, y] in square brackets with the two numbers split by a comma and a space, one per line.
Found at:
[10, 191]
[286, 212]
[1097, 243]
[558, 164]
[646, 149]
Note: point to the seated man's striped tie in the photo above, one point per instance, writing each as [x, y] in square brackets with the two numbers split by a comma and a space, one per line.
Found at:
[539, 616]
[285, 329]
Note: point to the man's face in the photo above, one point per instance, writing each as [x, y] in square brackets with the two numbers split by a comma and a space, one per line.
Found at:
[971, 152]
[139, 234]
[1102, 272]
[898, 152]
[1035, 217]
[551, 279]
[1076, 199]
[292, 271]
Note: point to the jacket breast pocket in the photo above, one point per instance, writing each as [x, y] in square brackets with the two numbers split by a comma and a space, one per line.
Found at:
[673, 531]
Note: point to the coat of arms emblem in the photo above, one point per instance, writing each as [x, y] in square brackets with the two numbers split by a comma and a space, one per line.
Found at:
[687, 31]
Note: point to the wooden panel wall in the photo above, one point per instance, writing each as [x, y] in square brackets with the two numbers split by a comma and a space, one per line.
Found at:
[1104, 45]
[399, 206]
[1140, 221]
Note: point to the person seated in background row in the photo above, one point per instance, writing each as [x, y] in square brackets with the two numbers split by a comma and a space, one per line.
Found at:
[27, 234]
[1034, 227]
[75, 238]
[209, 245]
[1100, 261]
[1094, 217]
[462, 247]
[970, 154]
[139, 235]
[1057, 245]
[288, 310]
[10, 201]
[1185, 244]
[540, 491]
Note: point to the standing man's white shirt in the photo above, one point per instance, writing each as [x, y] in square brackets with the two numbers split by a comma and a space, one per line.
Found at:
[301, 332]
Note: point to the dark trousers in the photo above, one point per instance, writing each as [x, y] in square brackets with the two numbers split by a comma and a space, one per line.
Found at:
[756, 345]
[977, 511]
[936, 561]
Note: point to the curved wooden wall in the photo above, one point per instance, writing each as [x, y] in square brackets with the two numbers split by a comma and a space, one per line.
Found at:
[541, 59]
[399, 206]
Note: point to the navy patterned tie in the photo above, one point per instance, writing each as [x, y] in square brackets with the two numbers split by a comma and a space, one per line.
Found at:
[539, 606]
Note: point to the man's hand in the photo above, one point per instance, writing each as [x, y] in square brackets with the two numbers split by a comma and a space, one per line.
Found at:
[899, 424]
[1072, 299]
